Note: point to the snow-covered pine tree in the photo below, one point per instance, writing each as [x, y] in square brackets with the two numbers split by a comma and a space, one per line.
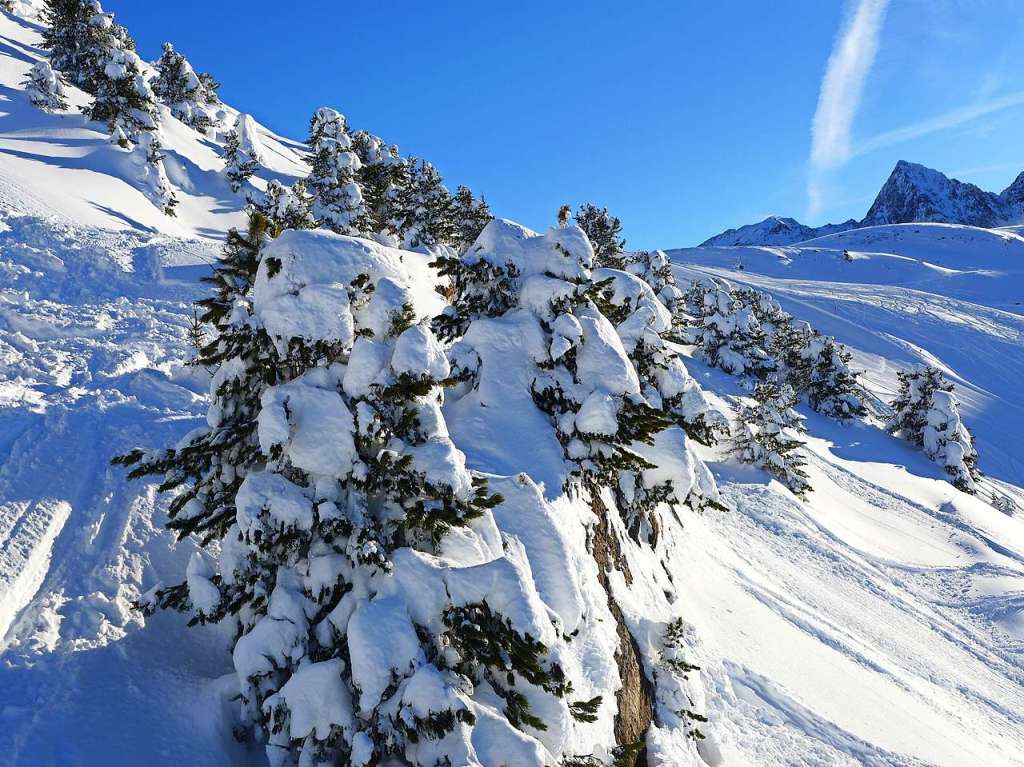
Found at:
[80, 38]
[787, 345]
[425, 208]
[152, 174]
[380, 176]
[45, 88]
[766, 309]
[726, 331]
[544, 334]
[832, 387]
[927, 413]
[327, 485]
[124, 101]
[767, 435]
[241, 152]
[470, 216]
[604, 232]
[334, 166]
[210, 88]
[179, 87]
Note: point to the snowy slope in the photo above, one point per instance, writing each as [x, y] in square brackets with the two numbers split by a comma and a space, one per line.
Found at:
[885, 616]
[879, 623]
[62, 164]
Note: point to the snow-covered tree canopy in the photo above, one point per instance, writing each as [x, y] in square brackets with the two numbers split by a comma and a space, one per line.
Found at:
[425, 207]
[44, 88]
[470, 216]
[123, 99]
[727, 330]
[767, 435]
[600, 369]
[381, 173]
[379, 612]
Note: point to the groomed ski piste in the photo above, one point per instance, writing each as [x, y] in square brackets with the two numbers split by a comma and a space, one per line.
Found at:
[878, 622]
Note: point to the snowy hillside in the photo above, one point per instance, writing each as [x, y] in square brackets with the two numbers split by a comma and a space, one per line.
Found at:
[62, 164]
[499, 524]
[890, 544]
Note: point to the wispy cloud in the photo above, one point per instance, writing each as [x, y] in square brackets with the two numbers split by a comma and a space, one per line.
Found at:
[853, 55]
[841, 88]
[951, 119]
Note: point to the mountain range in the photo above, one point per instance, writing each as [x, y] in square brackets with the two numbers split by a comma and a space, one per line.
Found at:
[913, 193]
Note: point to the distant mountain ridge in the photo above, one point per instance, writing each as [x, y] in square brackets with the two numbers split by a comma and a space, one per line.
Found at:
[776, 230]
[913, 193]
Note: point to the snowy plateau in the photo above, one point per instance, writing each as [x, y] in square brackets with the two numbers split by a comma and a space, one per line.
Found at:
[877, 620]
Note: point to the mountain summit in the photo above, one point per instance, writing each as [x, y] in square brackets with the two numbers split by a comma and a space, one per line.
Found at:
[913, 193]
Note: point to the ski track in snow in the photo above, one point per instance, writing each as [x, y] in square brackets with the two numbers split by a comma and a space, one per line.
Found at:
[91, 346]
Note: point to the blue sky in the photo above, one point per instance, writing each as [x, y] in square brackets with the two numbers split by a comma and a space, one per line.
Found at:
[683, 117]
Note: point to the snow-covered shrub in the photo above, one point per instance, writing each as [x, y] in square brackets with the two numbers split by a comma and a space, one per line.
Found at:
[727, 331]
[605, 234]
[645, 325]
[179, 87]
[927, 413]
[337, 199]
[654, 268]
[672, 675]
[242, 152]
[80, 38]
[151, 172]
[284, 207]
[542, 289]
[45, 88]
[380, 614]
[1004, 504]
[767, 435]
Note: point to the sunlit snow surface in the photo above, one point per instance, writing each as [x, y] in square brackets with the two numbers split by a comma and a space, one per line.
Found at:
[879, 623]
